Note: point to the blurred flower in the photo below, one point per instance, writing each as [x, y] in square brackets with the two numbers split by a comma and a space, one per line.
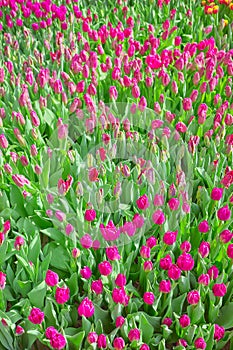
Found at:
[97, 286]
[165, 286]
[185, 262]
[19, 241]
[86, 272]
[218, 332]
[36, 316]
[193, 297]
[134, 334]
[148, 298]
[185, 246]
[2, 280]
[224, 213]
[120, 321]
[102, 341]
[145, 252]
[92, 337]
[166, 262]
[143, 202]
[158, 217]
[200, 343]
[105, 268]
[19, 330]
[174, 272]
[167, 321]
[86, 308]
[51, 278]
[169, 237]
[216, 193]
[213, 272]
[86, 241]
[62, 295]
[119, 343]
[113, 253]
[58, 341]
[20, 180]
[184, 321]
[204, 249]
[203, 227]
[219, 289]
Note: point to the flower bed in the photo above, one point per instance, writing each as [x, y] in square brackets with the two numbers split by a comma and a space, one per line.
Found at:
[116, 135]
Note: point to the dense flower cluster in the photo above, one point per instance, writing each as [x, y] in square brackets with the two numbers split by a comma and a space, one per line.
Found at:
[212, 7]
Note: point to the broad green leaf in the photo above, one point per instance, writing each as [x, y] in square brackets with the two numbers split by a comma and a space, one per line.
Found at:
[146, 328]
[74, 337]
[34, 249]
[37, 295]
[225, 318]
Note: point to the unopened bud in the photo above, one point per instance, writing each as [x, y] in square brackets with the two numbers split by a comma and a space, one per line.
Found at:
[79, 189]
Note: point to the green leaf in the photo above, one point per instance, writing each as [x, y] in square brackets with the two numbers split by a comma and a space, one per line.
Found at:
[23, 287]
[50, 314]
[99, 327]
[104, 317]
[33, 332]
[190, 333]
[37, 295]
[5, 338]
[26, 266]
[14, 316]
[221, 344]
[225, 318]
[74, 337]
[28, 227]
[54, 234]
[154, 321]
[45, 264]
[3, 249]
[4, 202]
[59, 258]
[34, 249]
[205, 177]
[196, 313]
[17, 201]
[72, 283]
[210, 341]
[162, 345]
[146, 328]
[49, 117]
[44, 177]
[177, 304]
[86, 325]
[184, 284]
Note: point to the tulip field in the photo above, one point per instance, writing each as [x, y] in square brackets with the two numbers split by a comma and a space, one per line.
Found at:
[116, 174]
